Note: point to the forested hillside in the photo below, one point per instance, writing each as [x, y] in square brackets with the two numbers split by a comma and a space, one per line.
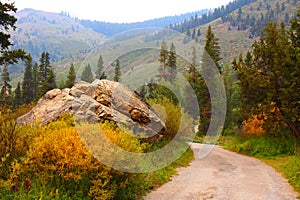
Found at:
[239, 23]
[60, 35]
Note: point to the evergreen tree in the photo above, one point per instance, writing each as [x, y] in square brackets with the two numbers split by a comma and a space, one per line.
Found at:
[192, 69]
[194, 79]
[35, 79]
[27, 85]
[7, 56]
[7, 23]
[50, 82]
[270, 82]
[172, 63]
[286, 18]
[240, 12]
[45, 71]
[210, 57]
[188, 33]
[163, 56]
[199, 32]
[212, 47]
[194, 34]
[6, 88]
[117, 76]
[100, 74]
[17, 97]
[204, 103]
[71, 77]
[42, 70]
[282, 7]
[87, 74]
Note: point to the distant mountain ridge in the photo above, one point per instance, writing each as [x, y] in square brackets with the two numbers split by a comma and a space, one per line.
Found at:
[110, 29]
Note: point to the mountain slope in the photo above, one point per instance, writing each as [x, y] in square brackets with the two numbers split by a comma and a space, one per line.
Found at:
[62, 36]
[239, 29]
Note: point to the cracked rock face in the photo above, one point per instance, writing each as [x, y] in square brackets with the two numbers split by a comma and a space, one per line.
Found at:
[96, 102]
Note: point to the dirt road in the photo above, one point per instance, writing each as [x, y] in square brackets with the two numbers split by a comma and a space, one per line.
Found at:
[224, 175]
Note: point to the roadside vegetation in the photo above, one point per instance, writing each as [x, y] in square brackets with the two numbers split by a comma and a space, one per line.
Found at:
[43, 162]
[263, 113]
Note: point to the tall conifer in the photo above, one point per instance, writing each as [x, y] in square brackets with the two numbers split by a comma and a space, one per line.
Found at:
[27, 85]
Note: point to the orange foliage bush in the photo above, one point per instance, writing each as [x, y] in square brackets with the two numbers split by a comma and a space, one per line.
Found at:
[254, 125]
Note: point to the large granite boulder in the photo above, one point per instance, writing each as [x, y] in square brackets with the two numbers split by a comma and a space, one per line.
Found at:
[95, 102]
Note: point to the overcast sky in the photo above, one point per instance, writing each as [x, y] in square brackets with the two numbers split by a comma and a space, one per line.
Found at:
[119, 10]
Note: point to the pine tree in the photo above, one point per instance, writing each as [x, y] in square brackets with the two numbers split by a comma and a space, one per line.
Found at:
[50, 82]
[199, 32]
[71, 77]
[42, 70]
[17, 97]
[117, 77]
[48, 64]
[194, 34]
[45, 66]
[100, 74]
[87, 74]
[212, 47]
[192, 69]
[35, 79]
[7, 56]
[210, 57]
[163, 56]
[6, 88]
[270, 82]
[7, 24]
[194, 79]
[45, 71]
[172, 63]
[27, 85]
[188, 33]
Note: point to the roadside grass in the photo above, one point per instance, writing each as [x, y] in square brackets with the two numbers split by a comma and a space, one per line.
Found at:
[289, 167]
[282, 153]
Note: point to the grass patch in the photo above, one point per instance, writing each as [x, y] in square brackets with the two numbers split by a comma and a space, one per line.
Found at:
[289, 167]
[261, 146]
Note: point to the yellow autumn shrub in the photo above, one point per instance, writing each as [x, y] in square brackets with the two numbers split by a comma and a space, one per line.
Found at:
[14, 140]
[175, 118]
[58, 159]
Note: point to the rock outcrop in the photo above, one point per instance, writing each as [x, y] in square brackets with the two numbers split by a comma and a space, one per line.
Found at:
[99, 101]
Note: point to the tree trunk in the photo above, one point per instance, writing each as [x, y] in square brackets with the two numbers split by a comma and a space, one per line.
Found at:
[291, 125]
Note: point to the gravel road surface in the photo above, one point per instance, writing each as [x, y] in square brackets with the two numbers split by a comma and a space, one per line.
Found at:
[224, 175]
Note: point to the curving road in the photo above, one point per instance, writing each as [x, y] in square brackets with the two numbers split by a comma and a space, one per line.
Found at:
[224, 175]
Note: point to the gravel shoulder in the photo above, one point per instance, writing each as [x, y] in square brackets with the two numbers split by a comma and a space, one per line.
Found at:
[224, 175]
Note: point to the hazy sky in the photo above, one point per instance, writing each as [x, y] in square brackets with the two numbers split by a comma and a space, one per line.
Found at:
[119, 10]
